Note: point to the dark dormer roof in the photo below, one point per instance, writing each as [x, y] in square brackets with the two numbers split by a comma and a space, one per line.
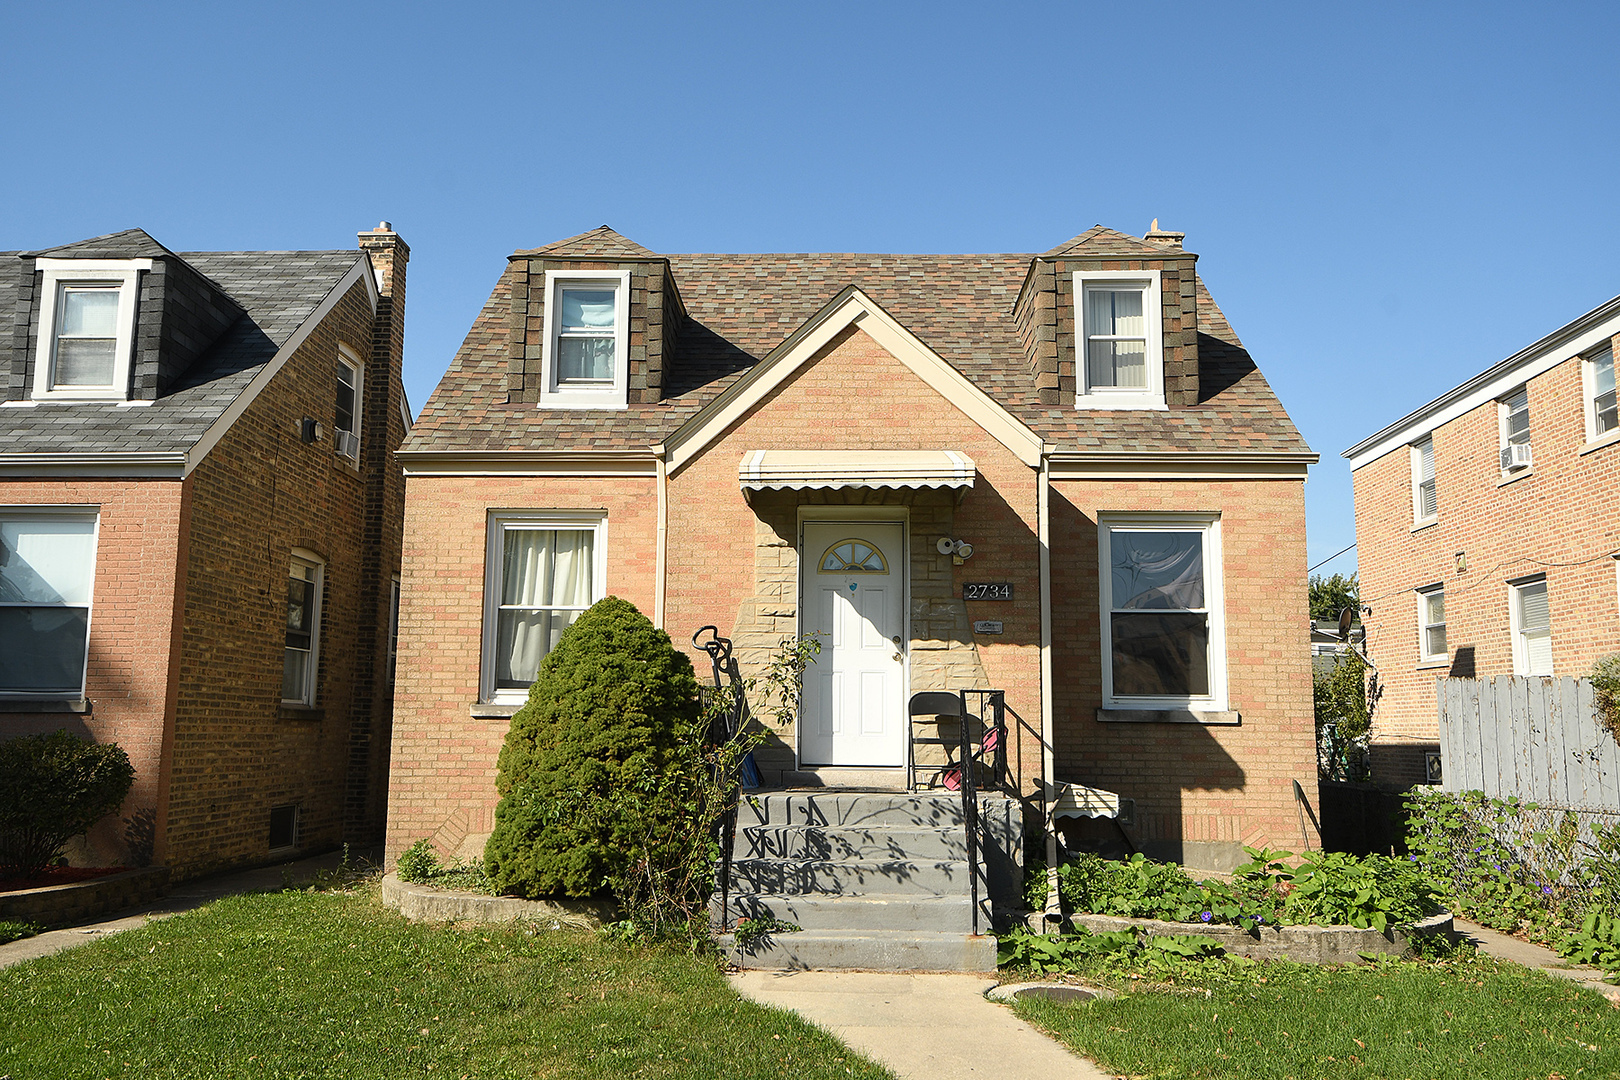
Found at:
[1098, 240]
[129, 244]
[600, 243]
[277, 291]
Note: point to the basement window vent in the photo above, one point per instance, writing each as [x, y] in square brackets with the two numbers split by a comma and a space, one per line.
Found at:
[283, 828]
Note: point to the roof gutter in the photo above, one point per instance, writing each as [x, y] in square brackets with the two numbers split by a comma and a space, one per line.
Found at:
[162, 464]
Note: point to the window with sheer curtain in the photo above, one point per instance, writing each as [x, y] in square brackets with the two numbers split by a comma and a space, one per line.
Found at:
[86, 328]
[547, 576]
[587, 339]
[1119, 340]
[301, 656]
[1162, 623]
[47, 566]
[1116, 338]
[1532, 628]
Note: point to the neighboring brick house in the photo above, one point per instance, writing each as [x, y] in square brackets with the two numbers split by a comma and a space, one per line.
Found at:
[200, 518]
[1488, 533]
[714, 437]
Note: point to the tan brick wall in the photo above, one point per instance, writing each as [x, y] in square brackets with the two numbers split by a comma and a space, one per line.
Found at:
[1561, 519]
[261, 492]
[442, 777]
[1199, 790]
[127, 679]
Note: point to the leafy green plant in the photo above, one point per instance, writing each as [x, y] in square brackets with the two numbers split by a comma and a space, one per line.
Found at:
[418, 863]
[1112, 951]
[1596, 942]
[12, 930]
[1606, 693]
[54, 787]
[1143, 889]
[1330, 595]
[1374, 891]
[750, 930]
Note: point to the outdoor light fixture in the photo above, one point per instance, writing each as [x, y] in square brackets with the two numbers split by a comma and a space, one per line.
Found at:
[960, 548]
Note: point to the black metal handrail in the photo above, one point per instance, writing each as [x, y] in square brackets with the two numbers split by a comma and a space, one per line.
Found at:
[722, 729]
[992, 744]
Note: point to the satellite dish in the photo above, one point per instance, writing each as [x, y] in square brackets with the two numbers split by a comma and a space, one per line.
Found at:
[1346, 617]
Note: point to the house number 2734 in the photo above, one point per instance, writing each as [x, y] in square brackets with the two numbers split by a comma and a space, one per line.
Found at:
[987, 590]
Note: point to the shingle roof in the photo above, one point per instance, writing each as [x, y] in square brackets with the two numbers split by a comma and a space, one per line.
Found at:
[599, 242]
[277, 291]
[129, 244]
[740, 307]
[1099, 240]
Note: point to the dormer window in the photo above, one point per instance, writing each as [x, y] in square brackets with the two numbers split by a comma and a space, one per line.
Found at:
[1119, 340]
[86, 328]
[586, 350]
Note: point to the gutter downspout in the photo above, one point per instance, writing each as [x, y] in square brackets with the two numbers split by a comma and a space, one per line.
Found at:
[1048, 757]
[659, 571]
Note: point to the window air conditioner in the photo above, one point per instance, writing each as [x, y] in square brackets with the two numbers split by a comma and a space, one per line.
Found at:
[1516, 456]
[348, 444]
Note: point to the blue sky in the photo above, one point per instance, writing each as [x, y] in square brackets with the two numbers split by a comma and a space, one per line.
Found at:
[1386, 199]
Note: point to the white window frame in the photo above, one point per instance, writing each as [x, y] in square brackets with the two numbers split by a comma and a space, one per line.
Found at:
[1424, 595]
[61, 513]
[1416, 452]
[347, 359]
[494, 561]
[555, 396]
[124, 274]
[1214, 604]
[1108, 397]
[1504, 412]
[312, 660]
[1589, 394]
[1521, 648]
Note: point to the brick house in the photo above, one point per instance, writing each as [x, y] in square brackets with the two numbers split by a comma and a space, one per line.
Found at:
[200, 522]
[716, 437]
[1488, 533]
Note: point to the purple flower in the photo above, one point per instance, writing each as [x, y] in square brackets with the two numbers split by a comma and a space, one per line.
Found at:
[1546, 890]
[1205, 916]
[1259, 918]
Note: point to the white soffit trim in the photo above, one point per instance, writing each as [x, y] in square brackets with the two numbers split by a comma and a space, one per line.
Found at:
[799, 469]
[1566, 343]
[850, 307]
[528, 463]
[155, 463]
[1237, 465]
[216, 430]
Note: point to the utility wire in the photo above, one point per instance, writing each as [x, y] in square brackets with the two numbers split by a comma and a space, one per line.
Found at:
[1330, 558]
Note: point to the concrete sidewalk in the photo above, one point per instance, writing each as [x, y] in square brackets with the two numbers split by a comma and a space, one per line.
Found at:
[1503, 947]
[923, 1027]
[185, 896]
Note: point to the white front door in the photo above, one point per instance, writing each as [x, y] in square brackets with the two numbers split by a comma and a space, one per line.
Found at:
[852, 596]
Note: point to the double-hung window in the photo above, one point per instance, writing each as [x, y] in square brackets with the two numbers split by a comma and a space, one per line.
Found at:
[1602, 418]
[586, 349]
[47, 568]
[1164, 643]
[1432, 624]
[1513, 422]
[1119, 340]
[302, 657]
[1425, 497]
[350, 373]
[86, 328]
[543, 571]
[1530, 619]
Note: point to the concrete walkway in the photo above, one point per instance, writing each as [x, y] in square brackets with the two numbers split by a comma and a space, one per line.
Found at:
[185, 896]
[923, 1027]
[1538, 957]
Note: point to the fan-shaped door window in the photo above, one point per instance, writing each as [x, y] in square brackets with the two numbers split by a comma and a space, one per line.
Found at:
[853, 557]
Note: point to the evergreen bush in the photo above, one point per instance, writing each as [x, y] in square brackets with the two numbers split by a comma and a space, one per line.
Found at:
[52, 788]
[604, 719]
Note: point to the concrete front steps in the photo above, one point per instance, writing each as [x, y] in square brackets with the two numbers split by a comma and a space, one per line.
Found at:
[878, 881]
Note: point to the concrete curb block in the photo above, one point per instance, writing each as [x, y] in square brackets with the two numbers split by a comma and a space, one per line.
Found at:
[423, 903]
[79, 901]
[1303, 944]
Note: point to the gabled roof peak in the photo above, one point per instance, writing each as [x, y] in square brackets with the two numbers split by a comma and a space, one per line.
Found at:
[129, 244]
[600, 242]
[1099, 240]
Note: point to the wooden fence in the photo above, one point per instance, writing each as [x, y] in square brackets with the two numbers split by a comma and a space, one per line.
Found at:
[1534, 738]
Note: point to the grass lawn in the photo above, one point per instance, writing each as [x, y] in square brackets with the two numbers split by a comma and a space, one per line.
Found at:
[1467, 1018]
[332, 984]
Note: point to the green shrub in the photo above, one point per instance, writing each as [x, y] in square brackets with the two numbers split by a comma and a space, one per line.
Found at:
[1113, 951]
[601, 729]
[1606, 693]
[418, 863]
[1333, 888]
[53, 787]
[12, 930]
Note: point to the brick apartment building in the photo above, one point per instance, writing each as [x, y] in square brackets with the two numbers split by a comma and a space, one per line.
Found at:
[1488, 533]
[200, 519]
[787, 443]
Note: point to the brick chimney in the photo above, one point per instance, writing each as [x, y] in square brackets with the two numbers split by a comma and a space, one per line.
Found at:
[1162, 238]
[388, 257]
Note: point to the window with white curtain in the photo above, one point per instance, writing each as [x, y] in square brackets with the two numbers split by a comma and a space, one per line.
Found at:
[1163, 637]
[1425, 496]
[543, 572]
[1602, 416]
[1531, 622]
[586, 349]
[1119, 332]
[47, 569]
[86, 328]
[1432, 624]
[301, 657]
